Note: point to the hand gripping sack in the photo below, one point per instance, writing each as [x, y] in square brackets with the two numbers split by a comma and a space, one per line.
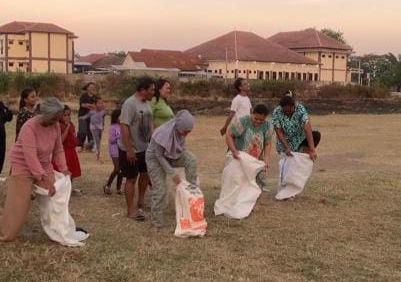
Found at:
[54, 214]
[189, 208]
[294, 172]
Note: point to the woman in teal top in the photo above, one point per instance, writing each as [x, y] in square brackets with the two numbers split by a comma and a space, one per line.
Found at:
[160, 109]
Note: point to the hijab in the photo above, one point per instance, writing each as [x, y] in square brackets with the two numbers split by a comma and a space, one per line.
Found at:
[167, 136]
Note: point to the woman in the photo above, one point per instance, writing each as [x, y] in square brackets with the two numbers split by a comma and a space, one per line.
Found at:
[27, 102]
[165, 151]
[160, 109]
[294, 129]
[38, 142]
[86, 103]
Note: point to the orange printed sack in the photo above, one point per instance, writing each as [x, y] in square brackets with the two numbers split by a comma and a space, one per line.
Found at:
[189, 208]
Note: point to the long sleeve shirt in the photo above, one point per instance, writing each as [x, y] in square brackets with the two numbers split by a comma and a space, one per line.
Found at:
[34, 149]
[156, 151]
[114, 134]
[96, 119]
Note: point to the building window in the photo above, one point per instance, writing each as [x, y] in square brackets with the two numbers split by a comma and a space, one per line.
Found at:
[299, 76]
[310, 76]
[304, 76]
[20, 65]
[10, 64]
[20, 42]
[329, 56]
[215, 71]
[287, 76]
[342, 57]
[11, 42]
[316, 77]
[267, 75]
[274, 75]
[280, 75]
[336, 57]
[292, 75]
[232, 71]
[239, 71]
[1, 66]
[220, 71]
[323, 56]
[254, 71]
[1, 47]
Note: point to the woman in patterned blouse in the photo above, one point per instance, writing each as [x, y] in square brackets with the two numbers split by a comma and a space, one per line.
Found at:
[26, 108]
[293, 128]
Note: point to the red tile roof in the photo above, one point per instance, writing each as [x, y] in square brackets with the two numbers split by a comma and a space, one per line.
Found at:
[165, 59]
[91, 58]
[250, 47]
[22, 27]
[306, 39]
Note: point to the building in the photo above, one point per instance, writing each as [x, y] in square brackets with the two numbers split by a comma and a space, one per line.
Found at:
[330, 54]
[160, 62]
[245, 54]
[97, 63]
[36, 48]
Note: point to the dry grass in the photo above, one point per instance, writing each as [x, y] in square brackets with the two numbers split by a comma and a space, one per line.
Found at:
[344, 227]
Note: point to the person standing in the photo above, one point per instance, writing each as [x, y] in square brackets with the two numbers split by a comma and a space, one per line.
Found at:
[27, 102]
[160, 109]
[86, 103]
[136, 130]
[114, 135]
[240, 105]
[5, 116]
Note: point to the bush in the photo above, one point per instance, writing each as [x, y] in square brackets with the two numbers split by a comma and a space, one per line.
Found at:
[337, 91]
[5, 81]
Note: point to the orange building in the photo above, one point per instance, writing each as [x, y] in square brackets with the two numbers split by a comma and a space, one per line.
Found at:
[36, 48]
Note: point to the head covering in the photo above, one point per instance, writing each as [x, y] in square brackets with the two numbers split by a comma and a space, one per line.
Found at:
[50, 107]
[166, 135]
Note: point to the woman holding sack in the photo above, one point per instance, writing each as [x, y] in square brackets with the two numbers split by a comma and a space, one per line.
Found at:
[166, 151]
[38, 142]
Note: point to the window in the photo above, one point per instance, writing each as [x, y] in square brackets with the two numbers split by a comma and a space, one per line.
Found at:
[220, 71]
[329, 56]
[215, 71]
[1, 47]
[10, 64]
[254, 71]
[274, 75]
[310, 78]
[299, 76]
[342, 57]
[239, 71]
[304, 76]
[336, 57]
[20, 65]
[323, 56]
[1, 66]
[27, 47]
[292, 75]
[232, 71]
[267, 75]
[280, 75]
[20, 42]
[287, 76]
[316, 77]
[11, 42]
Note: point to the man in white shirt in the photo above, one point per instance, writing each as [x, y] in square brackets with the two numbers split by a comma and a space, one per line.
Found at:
[240, 105]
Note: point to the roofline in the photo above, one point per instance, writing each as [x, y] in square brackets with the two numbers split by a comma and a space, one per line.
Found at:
[223, 60]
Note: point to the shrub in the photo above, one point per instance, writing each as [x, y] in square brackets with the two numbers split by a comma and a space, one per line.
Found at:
[5, 81]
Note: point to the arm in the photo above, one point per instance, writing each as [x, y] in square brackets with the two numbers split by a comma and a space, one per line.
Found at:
[64, 133]
[88, 106]
[113, 136]
[228, 121]
[280, 135]
[126, 139]
[309, 139]
[59, 155]
[267, 150]
[231, 144]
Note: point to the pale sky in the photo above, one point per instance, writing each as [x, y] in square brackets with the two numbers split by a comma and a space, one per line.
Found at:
[369, 26]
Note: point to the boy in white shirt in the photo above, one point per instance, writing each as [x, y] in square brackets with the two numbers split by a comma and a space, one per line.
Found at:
[240, 105]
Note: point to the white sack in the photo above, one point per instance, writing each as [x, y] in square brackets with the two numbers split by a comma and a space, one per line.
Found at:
[189, 209]
[54, 215]
[239, 191]
[294, 172]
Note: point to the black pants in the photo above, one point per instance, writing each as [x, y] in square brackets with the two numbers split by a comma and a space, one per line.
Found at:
[83, 132]
[2, 146]
[316, 140]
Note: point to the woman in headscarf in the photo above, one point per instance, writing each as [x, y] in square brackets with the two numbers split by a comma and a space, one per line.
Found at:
[166, 151]
[38, 142]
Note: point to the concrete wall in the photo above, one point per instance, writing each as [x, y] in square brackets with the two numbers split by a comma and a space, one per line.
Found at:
[39, 45]
[58, 46]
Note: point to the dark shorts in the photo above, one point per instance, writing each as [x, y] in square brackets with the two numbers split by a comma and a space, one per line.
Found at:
[131, 170]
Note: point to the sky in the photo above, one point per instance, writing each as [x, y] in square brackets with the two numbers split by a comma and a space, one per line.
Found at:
[369, 26]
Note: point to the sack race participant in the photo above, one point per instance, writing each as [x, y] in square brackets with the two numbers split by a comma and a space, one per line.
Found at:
[294, 172]
[54, 214]
[189, 208]
[240, 190]
[165, 152]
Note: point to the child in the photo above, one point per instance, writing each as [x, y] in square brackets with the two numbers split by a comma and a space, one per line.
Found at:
[114, 134]
[69, 143]
[96, 124]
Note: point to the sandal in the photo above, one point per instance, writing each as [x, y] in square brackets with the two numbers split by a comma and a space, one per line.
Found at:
[106, 190]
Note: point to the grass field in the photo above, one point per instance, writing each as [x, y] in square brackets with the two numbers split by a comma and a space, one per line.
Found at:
[346, 226]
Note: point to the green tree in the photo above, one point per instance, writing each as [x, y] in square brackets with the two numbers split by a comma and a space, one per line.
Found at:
[337, 35]
[388, 71]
